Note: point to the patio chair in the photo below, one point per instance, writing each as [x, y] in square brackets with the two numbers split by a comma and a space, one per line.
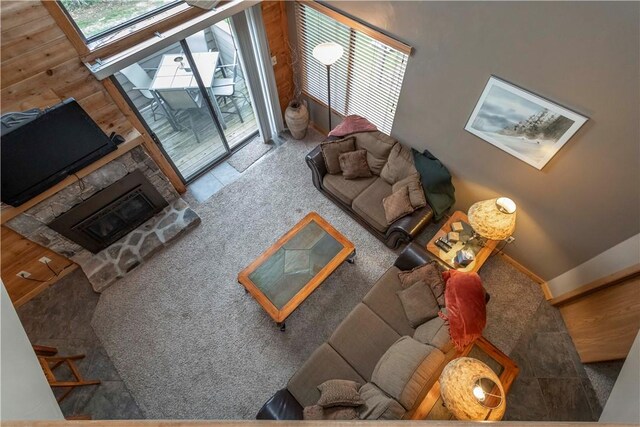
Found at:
[141, 82]
[198, 42]
[182, 100]
[226, 87]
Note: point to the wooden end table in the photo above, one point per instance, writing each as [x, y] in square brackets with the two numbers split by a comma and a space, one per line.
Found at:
[289, 271]
[433, 408]
[481, 253]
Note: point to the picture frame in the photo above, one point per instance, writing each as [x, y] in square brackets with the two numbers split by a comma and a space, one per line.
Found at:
[523, 124]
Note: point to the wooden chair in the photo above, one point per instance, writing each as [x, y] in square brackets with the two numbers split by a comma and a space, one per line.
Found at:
[49, 362]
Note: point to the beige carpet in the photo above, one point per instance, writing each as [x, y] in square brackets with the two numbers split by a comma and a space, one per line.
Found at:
[187, 340]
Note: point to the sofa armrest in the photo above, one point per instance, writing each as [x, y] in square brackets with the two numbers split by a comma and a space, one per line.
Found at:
[412, 256]
[315, 161]
[407, 228]
[281, 406]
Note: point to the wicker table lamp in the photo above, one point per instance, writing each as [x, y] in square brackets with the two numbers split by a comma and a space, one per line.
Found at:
[493, 219]
[472, 391]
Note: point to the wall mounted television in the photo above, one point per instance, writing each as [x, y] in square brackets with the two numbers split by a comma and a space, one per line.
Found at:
[40, 148]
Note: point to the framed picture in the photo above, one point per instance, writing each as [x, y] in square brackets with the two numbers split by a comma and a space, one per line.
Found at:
[524, 125]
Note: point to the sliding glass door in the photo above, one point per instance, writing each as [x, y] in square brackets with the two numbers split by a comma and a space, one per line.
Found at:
[194, 99]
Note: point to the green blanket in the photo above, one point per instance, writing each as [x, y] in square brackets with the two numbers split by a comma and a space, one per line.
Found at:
[436, 181]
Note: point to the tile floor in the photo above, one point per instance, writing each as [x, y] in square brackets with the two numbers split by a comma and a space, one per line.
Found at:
[213, 181]
[61, 317]
[553, 385]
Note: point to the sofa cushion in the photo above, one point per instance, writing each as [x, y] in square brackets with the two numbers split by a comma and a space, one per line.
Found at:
[419, 303]
[354, 164]
[346, 189]
[362, 338]
[339, 393]
[331, 150]
[317, 413]
[416, 192]
[368, 204]
[382, 300]
[435, 332]
[407, 369]
[377, 405]
[399, 165]
[378, 146]
[323, 364]
[397, 205]
[431, 274]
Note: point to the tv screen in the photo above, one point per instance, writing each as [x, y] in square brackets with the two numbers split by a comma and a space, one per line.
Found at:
[44, 150]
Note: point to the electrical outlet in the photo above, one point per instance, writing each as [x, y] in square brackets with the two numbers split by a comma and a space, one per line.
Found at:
[510, 239]
[44, 260]
[23, 274]
[274, 60]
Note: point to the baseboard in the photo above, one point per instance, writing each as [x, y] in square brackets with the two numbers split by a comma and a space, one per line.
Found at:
[543, 284]
[318, 128]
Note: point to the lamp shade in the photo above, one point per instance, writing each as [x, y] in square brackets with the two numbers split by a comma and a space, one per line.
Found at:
[328, 53]
[471, 390]
[493, 219]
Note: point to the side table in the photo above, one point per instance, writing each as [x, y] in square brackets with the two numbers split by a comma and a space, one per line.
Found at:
[481, 253]
[433, 408]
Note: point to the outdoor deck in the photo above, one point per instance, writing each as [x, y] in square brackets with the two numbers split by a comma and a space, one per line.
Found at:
[187, 153]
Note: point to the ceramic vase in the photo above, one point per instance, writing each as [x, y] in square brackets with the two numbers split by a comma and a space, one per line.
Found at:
[297, 117]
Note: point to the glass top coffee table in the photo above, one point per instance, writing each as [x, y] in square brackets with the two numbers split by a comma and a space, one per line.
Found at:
[289, 271]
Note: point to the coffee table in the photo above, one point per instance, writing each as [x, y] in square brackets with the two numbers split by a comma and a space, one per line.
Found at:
[289, 271]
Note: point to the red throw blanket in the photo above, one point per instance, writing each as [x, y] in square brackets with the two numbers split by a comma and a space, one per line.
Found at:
[353, 124]
[466, 307]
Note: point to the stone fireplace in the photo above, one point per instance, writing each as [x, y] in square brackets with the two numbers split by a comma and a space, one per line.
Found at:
[111, 220]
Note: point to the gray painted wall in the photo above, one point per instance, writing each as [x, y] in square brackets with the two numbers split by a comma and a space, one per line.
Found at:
[582, 55]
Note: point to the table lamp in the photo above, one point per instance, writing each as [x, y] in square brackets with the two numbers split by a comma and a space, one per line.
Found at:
[471, 390]
[328, 54]
[493, 219]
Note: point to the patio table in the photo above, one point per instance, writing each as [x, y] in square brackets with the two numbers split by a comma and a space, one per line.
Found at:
[172, 75]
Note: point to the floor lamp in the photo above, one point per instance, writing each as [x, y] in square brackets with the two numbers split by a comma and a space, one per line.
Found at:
[328, 54]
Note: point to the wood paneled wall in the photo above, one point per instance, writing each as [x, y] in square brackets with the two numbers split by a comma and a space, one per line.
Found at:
[40, 68]
[274, 14]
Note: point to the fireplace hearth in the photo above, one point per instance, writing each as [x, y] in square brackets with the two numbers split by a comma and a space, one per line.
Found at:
[111, 213]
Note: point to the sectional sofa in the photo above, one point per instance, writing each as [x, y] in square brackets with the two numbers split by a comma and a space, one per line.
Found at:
[354, 350]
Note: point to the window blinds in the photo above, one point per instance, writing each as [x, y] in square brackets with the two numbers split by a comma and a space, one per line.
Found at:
[367, 79]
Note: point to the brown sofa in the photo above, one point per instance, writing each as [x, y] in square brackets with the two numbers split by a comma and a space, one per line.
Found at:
[355, 348]
[362, 198]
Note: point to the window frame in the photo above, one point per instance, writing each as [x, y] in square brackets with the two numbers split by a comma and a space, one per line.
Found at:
[355, 28]
[118, 27]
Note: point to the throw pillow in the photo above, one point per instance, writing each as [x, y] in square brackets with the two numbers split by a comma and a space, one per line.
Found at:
[339, 393]
[377, 405]
[430, 273]
[419, 303]
[331, 150]
[399, 164]
[397, 205]
[354, 164]
[416, 192]
[317, 412]
[406, 369]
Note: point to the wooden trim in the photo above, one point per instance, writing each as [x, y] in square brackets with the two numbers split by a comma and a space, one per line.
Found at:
[67, 27]
[144, 33]
[543, 283]
[41, 287]
[279, 315]
[596, 285]
[365, 29]
[133, 140]
[286, 423]
[147, 141]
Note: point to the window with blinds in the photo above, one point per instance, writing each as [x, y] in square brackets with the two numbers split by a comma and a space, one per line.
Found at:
[367, 79]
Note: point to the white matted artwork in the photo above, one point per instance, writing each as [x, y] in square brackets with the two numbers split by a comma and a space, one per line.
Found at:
[524, 125]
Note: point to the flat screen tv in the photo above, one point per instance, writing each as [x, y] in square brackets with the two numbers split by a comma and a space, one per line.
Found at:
[46, 147]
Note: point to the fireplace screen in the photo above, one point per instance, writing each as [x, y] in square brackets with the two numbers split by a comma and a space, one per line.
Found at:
[111, 213]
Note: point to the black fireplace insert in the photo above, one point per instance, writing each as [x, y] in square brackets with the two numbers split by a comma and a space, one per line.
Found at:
[111, 213]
